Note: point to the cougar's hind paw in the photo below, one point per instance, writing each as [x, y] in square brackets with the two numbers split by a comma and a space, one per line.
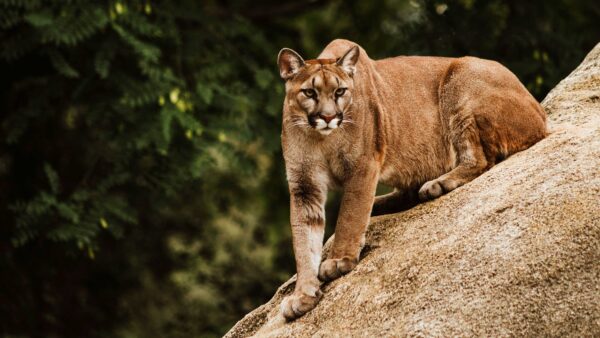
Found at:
[436, 188]
[430, 190]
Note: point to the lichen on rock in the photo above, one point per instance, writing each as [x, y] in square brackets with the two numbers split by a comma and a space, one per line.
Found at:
[514, 252]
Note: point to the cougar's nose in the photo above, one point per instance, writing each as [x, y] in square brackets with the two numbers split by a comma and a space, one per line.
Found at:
[327, 118]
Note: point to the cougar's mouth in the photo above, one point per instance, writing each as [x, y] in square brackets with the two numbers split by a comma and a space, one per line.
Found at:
[325, 125]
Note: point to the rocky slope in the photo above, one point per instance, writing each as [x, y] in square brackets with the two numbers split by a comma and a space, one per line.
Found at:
[516, 252]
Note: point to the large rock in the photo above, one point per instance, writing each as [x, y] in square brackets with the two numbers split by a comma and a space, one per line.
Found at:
[516, 252]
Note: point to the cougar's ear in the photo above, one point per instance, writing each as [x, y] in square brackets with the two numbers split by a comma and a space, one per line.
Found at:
[289, 63]
[348, 61]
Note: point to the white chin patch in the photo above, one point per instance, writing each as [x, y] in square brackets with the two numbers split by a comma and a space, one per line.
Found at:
[321, 124]
[326, 128]
[334, 123]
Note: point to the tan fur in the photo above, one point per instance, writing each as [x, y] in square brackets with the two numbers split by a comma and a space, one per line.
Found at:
[424, 125]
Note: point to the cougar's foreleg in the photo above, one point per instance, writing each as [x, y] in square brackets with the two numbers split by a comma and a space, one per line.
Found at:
[353, 219]
[307, 216]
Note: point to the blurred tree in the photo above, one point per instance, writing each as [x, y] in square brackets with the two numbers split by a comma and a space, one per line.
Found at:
[142, 185]
[138, 144]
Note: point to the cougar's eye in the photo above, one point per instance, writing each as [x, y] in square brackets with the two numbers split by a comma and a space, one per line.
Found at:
[309, 92]
[340, 91]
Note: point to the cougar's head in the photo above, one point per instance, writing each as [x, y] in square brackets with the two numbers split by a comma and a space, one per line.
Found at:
[318, 92]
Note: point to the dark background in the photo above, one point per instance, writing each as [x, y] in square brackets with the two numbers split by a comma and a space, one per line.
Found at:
[142, 191]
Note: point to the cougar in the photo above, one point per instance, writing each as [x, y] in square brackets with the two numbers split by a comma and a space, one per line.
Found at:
[422, 125]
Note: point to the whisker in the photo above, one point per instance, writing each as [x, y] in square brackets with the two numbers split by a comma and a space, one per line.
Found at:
[299, 123]
[296, 122]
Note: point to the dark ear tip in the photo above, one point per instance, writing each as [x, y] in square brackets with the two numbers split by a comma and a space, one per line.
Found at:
[289, 53]
[282, 52]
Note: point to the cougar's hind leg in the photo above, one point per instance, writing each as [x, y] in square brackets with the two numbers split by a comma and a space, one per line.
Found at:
[464, 134]
[396, 201]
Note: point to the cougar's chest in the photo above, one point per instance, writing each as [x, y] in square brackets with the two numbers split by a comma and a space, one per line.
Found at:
[340, 166]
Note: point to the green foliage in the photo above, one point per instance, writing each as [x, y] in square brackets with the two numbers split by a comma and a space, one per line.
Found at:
[121, 112]
[143, 192]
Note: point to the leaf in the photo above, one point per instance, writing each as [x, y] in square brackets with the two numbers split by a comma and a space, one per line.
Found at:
[40, 19]
[53, 179]
[166, 117]
[67, 212]
[61, 64]
[103, 60]
[144, 50]
[263, 78]
[205, 92]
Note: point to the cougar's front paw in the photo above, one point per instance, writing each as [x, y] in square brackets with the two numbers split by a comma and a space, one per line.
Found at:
[299, 303]
[335, 268]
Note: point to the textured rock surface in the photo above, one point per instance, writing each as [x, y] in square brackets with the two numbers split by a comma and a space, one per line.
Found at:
[515, 252]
